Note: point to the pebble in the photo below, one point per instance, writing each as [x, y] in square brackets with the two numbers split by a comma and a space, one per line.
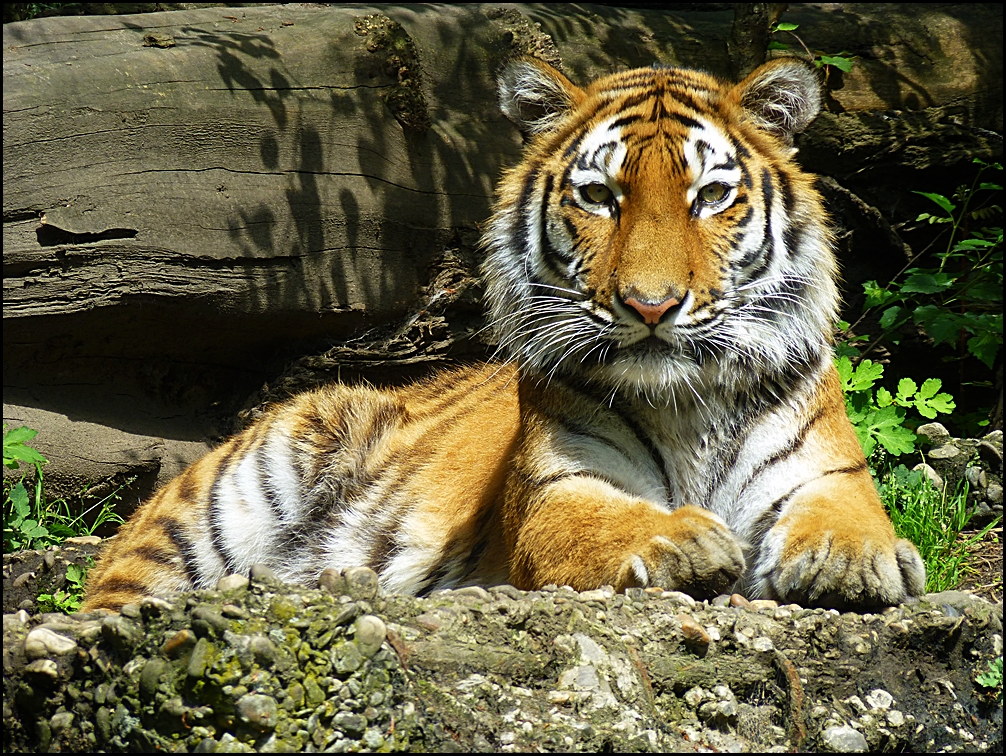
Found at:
[844, 739]
[263, 573]
[694, 633]
[994, 493]
[45, 667]
[369, 632]
[42, 642]
[233, 582]
[879, 699]
[930, 473]
[257, 710]
[361, 582]
[947, 451]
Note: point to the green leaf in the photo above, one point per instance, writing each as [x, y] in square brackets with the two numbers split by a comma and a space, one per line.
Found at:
[784, 26]
[938, 323]
[876, 296]
[906, 388]
[985, 291]
[891, 316]
[75, 574]
[775, 45]
[847, 350]
[940, 200]
[985, 346]
[15, 451]
[18, 435]
[22, 507]
[929, 388]
[941, 403]
[927, 283]
[866, 374]
[31, 529]
[866, 439]
[884, 398]
[844, 367]
[894, 437]
[839, 62]
[972, 243]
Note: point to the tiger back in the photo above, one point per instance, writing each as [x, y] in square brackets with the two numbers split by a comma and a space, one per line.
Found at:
[664, 410]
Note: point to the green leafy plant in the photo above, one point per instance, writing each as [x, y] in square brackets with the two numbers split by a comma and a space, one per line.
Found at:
[21, 529]
[69, 598]
[933, 521]
[992, 677]
[842, 60]
[880, 417]
[959, 300]
[31, 520]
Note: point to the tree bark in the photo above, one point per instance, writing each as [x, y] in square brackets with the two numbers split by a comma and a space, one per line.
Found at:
[194, 198]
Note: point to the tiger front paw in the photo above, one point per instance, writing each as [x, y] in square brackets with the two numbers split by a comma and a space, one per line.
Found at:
[839, 568]
[693, 551]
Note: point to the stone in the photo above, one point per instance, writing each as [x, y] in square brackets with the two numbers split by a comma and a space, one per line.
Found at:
[991, 452]
[258, 710]
[42, 642]
[369, 633]
[933, 476]
[331, 580]
[879, 699]
[946, 451]
[232, 582]
[994, 493]
[976, 478]
[263, 573]
[44, 667]
[844, 739]
[352, 724]
[935, 433]
[361, 582]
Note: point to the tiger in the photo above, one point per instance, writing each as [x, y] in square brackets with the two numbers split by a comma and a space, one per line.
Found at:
[663, 410]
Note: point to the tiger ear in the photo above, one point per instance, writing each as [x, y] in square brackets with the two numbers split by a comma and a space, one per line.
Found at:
[782, 96]
[534, 95]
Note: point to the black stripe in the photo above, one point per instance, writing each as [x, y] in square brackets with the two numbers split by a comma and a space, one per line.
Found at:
[523, 206]
[767, 249]
[634, 428]
[118, 585]
[173, 529]
[685, 120]
[767, 520]
[626, 121]
[155, 554]
[338, 494]
[574, 145]
[217, 539]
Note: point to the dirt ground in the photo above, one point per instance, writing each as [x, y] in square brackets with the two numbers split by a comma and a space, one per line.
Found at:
[986, 574]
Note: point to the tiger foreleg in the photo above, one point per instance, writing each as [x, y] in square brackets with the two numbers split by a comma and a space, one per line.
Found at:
[834, 546]
[585, 533]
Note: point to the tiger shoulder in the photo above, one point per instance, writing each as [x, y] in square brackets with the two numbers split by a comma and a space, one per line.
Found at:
[663, 409]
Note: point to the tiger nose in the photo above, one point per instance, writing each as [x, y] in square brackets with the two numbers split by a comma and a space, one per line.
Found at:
[650, 310]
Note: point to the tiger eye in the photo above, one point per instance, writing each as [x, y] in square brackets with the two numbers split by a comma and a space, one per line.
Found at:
[713, 193]
[597, 193]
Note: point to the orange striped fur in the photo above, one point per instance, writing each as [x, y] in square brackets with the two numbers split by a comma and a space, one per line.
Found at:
[664, 410]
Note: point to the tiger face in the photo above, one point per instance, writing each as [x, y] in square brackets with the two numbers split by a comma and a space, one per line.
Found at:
[659, 236]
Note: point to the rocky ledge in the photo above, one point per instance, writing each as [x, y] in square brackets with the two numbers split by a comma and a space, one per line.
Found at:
[256, 665]
[951, 462]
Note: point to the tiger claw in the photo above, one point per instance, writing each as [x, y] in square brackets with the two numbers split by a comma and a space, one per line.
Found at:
[699, 556]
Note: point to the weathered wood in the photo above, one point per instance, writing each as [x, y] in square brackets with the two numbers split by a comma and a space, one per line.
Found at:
[193, 198]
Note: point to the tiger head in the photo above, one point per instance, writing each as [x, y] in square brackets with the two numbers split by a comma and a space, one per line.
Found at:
[658, 234]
